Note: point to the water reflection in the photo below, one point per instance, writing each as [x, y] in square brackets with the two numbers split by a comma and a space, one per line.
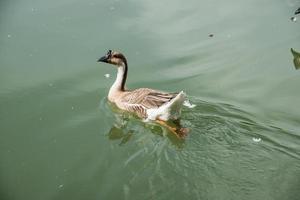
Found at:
[221, 138]
[220, 125]
[116, 133]
[126, 127]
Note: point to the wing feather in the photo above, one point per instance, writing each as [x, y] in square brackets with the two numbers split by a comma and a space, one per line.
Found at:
[145, 98]
[140, 110]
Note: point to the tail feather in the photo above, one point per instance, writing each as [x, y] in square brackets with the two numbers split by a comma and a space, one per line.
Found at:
[170, 110]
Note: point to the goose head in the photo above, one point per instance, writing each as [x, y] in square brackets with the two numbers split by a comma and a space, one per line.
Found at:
[113, 57]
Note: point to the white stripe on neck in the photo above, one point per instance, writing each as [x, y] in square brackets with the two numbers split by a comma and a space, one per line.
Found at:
[117, 86]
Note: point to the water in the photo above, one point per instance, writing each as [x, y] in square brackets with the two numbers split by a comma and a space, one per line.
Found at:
[61, 140]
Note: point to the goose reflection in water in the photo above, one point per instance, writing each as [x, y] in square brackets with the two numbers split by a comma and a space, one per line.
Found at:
[126, 127]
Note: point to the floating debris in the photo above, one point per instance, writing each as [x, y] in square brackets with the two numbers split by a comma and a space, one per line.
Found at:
[107, 75]
[256, 139]
[294, 19]
[61, 186]
[296, 58]
[211, 35]
[297, 11]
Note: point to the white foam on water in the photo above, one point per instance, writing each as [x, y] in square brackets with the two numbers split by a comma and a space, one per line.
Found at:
[188, 104]
[256, 139]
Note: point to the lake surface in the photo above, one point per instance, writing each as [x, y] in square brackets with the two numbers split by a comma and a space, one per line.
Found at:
[60, 139]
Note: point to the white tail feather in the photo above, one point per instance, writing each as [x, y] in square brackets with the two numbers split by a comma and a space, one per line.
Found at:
[170, 110]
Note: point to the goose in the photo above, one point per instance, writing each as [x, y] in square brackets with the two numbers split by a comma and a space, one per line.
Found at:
[146, 103]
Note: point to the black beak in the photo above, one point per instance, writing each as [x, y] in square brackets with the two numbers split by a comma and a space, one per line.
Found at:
[103, 59]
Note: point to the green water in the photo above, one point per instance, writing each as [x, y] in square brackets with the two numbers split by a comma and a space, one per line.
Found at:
[59, 139]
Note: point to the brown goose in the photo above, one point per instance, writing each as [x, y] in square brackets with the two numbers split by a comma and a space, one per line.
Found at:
[147, 103]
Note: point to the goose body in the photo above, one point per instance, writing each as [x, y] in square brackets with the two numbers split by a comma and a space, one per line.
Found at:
[146, 103]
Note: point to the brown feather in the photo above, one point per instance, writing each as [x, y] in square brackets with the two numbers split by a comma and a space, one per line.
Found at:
[141, 99]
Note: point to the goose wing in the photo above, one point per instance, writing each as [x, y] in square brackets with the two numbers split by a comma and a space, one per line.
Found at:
[140, 100]
[147, 97]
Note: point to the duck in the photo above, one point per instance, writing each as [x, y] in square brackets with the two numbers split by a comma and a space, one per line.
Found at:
[146, 103]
